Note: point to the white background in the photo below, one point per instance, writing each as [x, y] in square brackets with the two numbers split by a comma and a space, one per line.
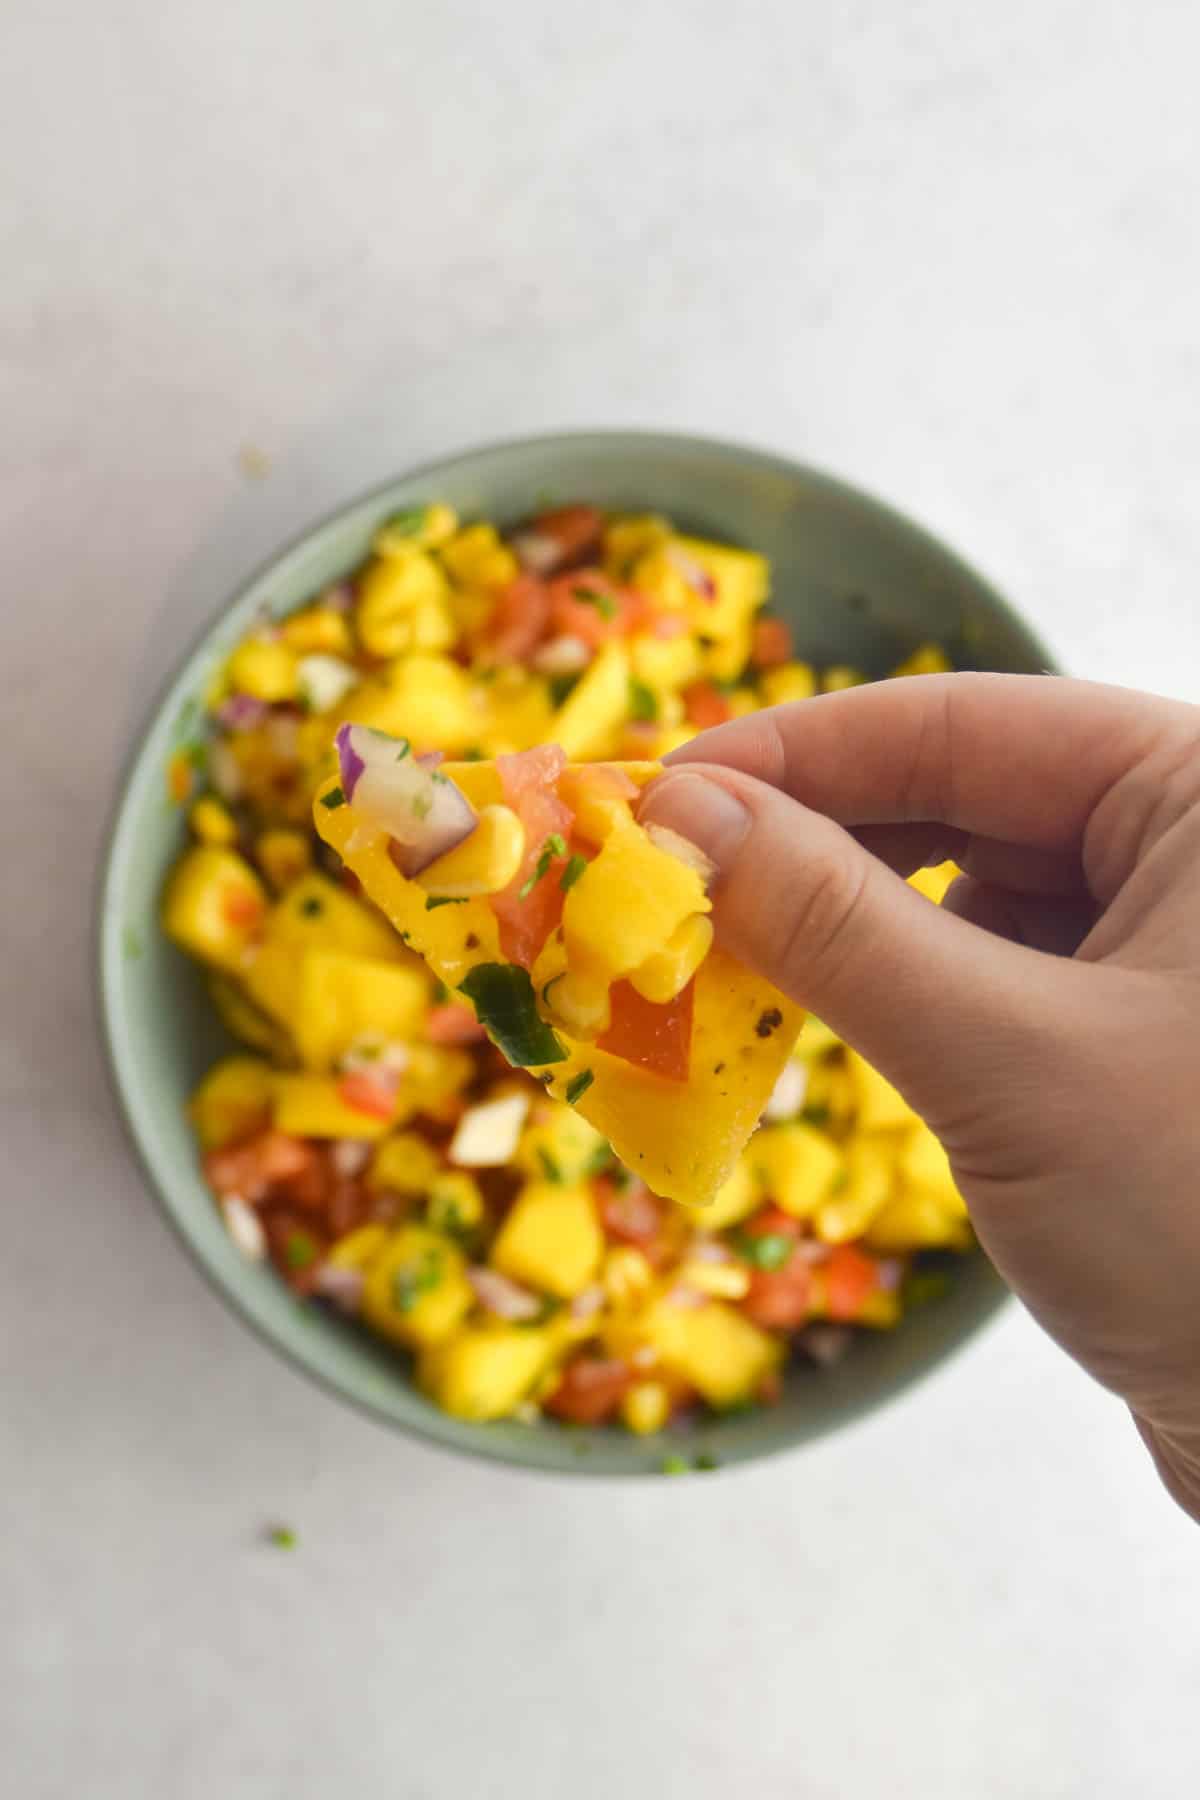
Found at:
[950, 251]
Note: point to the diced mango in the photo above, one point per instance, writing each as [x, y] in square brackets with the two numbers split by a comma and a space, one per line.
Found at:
[669, 970]
[598, 798]
[232, 1102]
[416, 1290]
[665, 664]
[596, 706]
[712, 1347]
[317, 914]
[925, 1165]
[315, 1106]
[264, 668]
[551, 1239]
[646, 1408]
[917, 1220]
[455, 1204]
[428, 699]
[795, 1165]
[517, 711]
[735, 1201]
[427, 527]
[863, 1190]
[214, 906]
[485, 1371]
[392, 591]
[840, 676]
[433, 1080]
[630, 537]
[558, 1144]
[927, 659]
[816, 1038]
[212, 822]
[318, 631]
[791, 681]
[242, 1019]
[358, 1248]
[283, 856]
[933, 883]
[339, 999]
[881, 1107]
[628, 902]
[476, 558]
[483, 863]
[404, 1163]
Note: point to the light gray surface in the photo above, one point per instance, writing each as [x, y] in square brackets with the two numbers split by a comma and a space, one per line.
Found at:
[958, 264]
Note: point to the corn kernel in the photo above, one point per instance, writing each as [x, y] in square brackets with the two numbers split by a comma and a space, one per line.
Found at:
[662, 976]
[483, 863]
[721, 1281]
[264, 668]
[646, 1408]
[212, 822]
[475, 558]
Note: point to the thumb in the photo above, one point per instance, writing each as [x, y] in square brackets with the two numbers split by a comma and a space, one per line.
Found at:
[960, 1020]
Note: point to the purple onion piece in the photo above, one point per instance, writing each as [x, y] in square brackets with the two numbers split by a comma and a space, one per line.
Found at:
[241, 712]
[423, 814]
[350, 763]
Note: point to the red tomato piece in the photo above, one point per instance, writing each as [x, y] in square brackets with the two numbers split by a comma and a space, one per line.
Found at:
[705, 705]
[453, 1023]
[526, 920]
[771, 1221]
[251, 1168]
[576, 531]
[778, 1299]
[590, 1390]
[850, 1277]
[363, 1093]
[653, 1037]
[629, 1213]
[519, 619]
[588, 605]
[348, 1205]
[770, 644]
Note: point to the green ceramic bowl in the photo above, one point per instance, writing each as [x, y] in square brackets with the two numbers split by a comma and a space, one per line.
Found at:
[858, 582]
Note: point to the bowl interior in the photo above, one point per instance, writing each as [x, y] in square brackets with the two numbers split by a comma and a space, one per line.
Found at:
[858, 583]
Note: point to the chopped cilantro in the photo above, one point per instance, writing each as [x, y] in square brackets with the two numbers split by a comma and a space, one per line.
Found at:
[299, 1251]
[604, 604]
[404, 748]
[675, 1465]
[503, 998]
[706, 1462]
[770, 1251]
[407, 524]
[413, 1279]
[924, 1286]
[549, 1164]
[560, 687]
[472, 753]
[333, 799]
[572, 872]
[578, 1086]
[816, 1115]
[311, 906]
[283, 1537]
[436, 900]
[600, 1159]
[642, 701]
[422, 805]
[555, 845]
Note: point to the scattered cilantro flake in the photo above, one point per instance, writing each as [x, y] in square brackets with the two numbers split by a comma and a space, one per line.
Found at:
[422, 805]
[642, 701]
[706, 1462]
[675, 1465]
[549, 1164]
[299, 1251]
[436, 900]
[283, 1537]
[604, 604]
[555, 845]
[578, 1086]
[572, 872]
[413, 1279]
[404, 748]
[333, 799]
[407, 524]
[505, 1005]
[472, 753]
[770, 1251]
[600, 1160]
[924, 1286]
[816, 1115]
[560, 687]
[311, 906]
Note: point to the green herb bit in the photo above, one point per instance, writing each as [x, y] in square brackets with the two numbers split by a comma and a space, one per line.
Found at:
[311, 907]
[472, 753]
[923, 1287]
[422, 805]
[436, 900]
[283, 1537]
[604, 604]
[600, 1160]
[408, 524]
[415, 1279]
[333, 799]
[770, 1251]
[675, 1465]
[549, 1164]
[555, 845]
[706, 1462]
[578, 1086]
[560, 687]
[505, 1005]
[642, 701]
[299, 1251]
[404, 749]
[572, 872]
[816, 1115]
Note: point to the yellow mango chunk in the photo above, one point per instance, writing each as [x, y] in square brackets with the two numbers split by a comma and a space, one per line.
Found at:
[669, 970]
[934, 882]
[927, 659]
[485, 1371]
[393, 591]
[596, 706]
[214, 906]
[476, 558]
[840, 676]
[628, 902]
[795, 1165]
[646, 1408]
[427, 527]
[283, 856]
[483, 863]
[428, 699]
[264, 668]
[243, 1020]
[232, 1102]
[790, 681]
[358, 1248]
[665, 664]
[551, 1239]
[340, 999]
[455, 1203]
[317, 914]
[817, 1039]
[314, 1106]
[924, 1164]
[558, 1144]
[416, 1289]
[713, 1347]
[404, 1163]
[881, 1107]
[917, 1220]
[517, 711]
[866, 1185]
[734, 1201]
[318, 631]
[212, 822]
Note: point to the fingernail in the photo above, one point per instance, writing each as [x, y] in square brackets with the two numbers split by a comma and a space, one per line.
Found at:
[702, 811]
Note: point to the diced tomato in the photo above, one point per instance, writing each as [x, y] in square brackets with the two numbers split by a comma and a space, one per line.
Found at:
[578, 531]
[771, 1221]
[348, 1205]
[705, 705]
[590, 1390]
[251, 1169]
[850, 1277]
[364, 1094]
[779, 1298]
[453, 1023]
[242, 908]
[629, 1212]
[526, 920]
[309, 1188]
[519, 619]
[587, 604]
[770, 643]
[653, 1037]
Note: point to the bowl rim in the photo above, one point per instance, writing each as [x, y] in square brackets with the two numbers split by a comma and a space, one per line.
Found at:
[474, 1442]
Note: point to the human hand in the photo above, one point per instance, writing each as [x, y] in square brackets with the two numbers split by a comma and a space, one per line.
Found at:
[1045, 1020]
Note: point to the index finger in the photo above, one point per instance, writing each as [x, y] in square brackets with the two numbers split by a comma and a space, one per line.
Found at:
[1021, 758]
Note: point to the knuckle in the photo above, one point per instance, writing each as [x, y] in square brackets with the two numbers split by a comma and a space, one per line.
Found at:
[815, 929]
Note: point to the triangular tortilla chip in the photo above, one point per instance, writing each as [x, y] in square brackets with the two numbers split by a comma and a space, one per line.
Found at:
[682, 1137]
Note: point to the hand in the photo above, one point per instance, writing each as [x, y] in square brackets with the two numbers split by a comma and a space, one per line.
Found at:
[1045, 1020]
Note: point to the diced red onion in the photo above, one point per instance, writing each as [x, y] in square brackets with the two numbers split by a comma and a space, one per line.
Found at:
[826, 1344]
[693, 572]
[562, 656]
[343, 1286]
[709, 1250]
[587, 1304]
[683, 850]
[244, 1227]
[498, 1295]
[423, 813]
[537, 552]
[350, 1156]
[338, 598]
[241, 712]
